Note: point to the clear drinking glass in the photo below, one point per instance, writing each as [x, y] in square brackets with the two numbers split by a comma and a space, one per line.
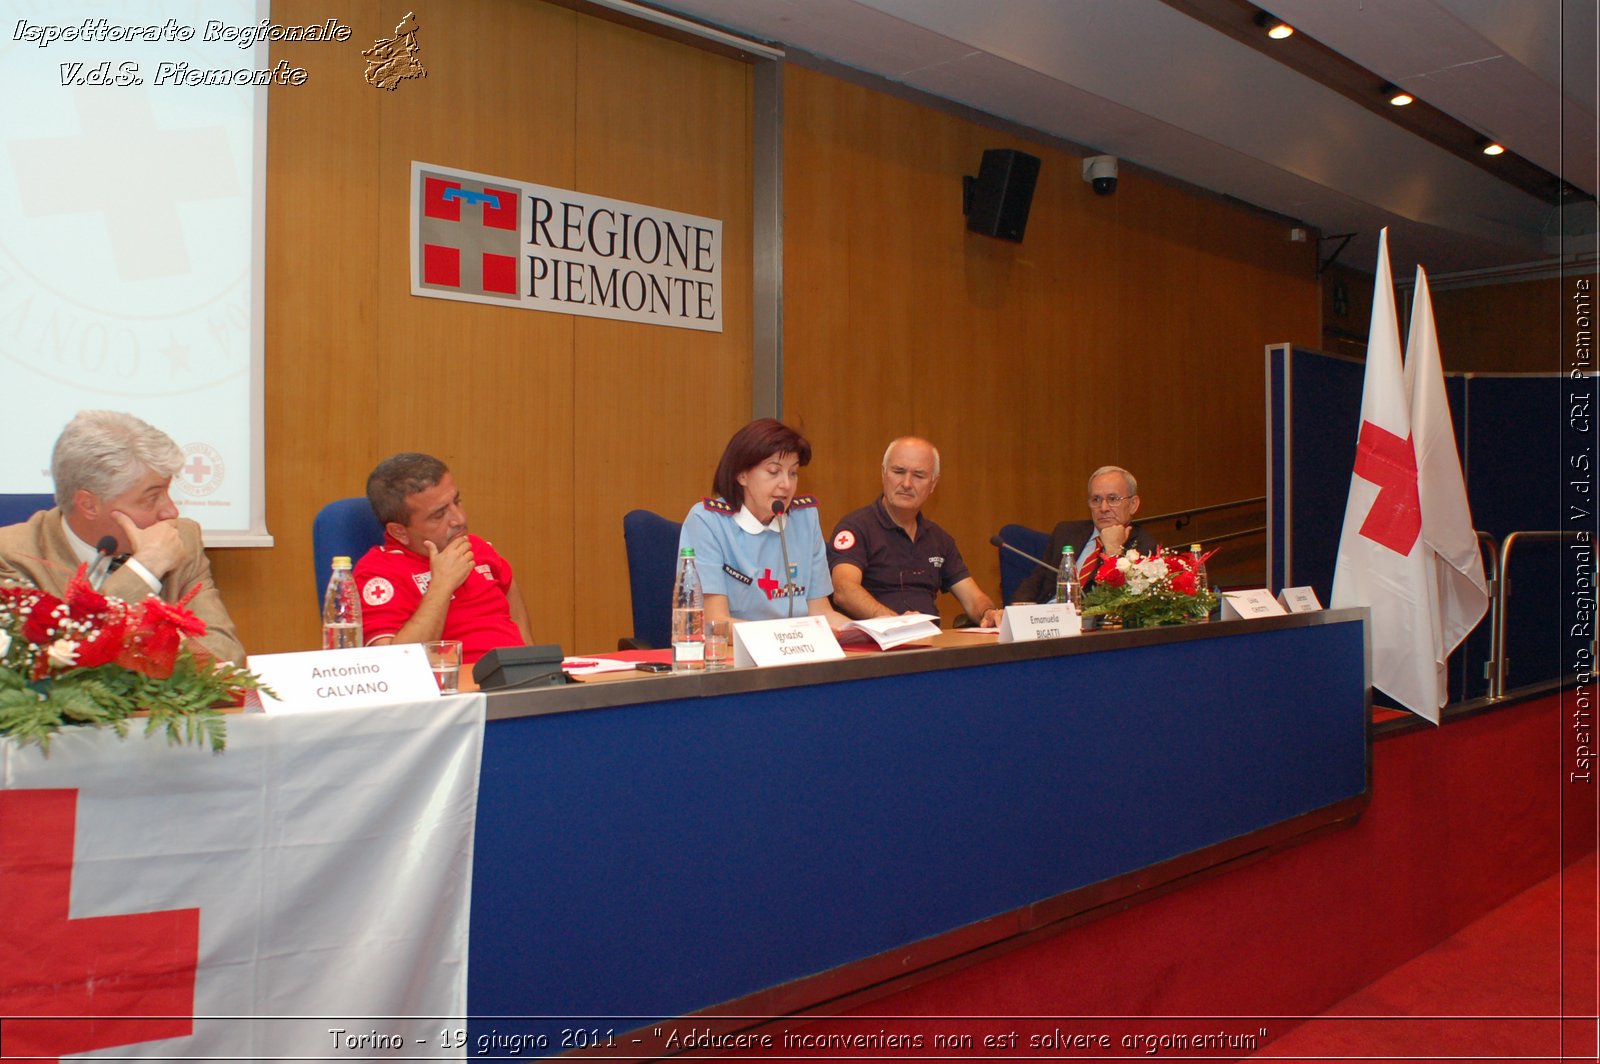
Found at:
[444, 658]
[719, 644]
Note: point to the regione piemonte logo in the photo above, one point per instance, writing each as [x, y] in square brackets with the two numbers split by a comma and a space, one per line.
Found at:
[500, 241]
[467, 235]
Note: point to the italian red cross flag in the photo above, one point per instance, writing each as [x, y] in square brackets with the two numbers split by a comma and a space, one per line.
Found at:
[303, 895]
[1407, 550]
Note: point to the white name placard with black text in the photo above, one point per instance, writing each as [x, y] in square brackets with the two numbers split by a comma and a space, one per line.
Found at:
[1050, 620]
[1299, 600]
[784, 642]
[345, 679]
[1257, 602]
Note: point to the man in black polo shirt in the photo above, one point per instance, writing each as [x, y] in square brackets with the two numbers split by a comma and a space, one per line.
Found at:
[887, 558]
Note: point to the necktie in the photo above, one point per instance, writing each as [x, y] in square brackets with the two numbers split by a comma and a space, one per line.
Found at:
[1091, 562]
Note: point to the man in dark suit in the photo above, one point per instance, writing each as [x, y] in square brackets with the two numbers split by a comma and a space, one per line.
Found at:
[1109, 532]
[112, 474]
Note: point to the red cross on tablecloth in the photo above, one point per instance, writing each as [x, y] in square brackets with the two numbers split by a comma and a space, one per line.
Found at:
[98, 981]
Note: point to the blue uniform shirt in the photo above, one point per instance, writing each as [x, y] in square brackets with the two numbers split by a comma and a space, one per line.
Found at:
[740, 558]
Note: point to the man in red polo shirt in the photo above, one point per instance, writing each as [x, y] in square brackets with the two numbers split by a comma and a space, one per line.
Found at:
[430, 579]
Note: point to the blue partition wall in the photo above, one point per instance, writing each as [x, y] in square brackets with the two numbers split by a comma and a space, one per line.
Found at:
[1514, 478]
[1507, 436]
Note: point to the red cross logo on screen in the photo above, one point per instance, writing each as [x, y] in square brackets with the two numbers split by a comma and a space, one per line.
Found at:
[1384, 459]
[101, 981]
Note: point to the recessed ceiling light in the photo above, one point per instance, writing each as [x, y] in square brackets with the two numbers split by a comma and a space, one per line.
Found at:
[1276, 28]
[1400, 97]
[1494, 148]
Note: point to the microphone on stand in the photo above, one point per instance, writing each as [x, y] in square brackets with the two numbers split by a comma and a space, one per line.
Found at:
[996, 541]
[105, 550]
[783, 541]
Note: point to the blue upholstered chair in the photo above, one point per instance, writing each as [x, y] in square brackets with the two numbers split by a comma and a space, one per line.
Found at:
[1014, 570]
[14, 509]
[652, 544]
[344, 526]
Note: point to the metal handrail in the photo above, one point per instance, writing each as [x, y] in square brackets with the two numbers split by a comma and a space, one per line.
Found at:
[1497, 678]
[1182, 516]
[1496, 651]
[1240, 534]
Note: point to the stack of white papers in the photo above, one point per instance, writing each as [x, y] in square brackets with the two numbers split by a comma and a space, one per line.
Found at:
[890, 632]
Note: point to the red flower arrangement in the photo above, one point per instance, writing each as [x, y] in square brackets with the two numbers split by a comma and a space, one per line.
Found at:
[86, 658]
[1160, 588]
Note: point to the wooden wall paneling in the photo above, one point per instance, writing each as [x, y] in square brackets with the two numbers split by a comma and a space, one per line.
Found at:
[1346, 306]
[1059, 336]
[1153, 304]
[1495, 327]
[1512, 327]
[667, 125]
[321, 307]
[847, 381]
[356, 367]
[990, 327]
[487, 389]
[896, 319]
[827, 366]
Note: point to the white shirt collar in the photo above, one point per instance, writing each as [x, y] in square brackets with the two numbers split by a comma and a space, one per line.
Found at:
[88, 555]
[84, 552]
[752, 524]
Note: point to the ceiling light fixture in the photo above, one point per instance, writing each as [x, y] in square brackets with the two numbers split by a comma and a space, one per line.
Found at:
[1276, 28]
[1397, 96]
[1494, 148]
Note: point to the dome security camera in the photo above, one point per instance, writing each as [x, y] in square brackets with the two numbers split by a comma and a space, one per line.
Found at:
[1101, 172]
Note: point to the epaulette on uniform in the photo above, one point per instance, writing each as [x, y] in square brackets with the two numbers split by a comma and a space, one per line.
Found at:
[803, 502]
[718, 506]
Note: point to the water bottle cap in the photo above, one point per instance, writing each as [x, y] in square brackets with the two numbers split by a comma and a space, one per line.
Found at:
[1195, 547]
[341, 562]
[687, 552]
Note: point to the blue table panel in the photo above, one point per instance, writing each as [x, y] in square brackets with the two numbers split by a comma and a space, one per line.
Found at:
[651, 860]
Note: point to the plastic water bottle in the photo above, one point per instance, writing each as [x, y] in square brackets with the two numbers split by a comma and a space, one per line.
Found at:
[688, 616]
[1198, 566]
[1068, 588]
[341, 609]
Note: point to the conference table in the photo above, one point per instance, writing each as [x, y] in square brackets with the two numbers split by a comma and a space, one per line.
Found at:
[759, 842]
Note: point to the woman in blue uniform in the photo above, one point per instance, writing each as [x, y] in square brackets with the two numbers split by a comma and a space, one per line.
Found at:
[741, 536]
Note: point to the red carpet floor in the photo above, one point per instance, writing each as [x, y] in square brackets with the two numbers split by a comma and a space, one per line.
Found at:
[1517, 984]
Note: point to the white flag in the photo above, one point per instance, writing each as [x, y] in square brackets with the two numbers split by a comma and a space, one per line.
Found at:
[1458, 594]
[1381, 557]
[303, 895]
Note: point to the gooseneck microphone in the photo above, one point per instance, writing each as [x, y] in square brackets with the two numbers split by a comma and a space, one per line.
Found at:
[996, 541]
[783, 541]
[104, 551]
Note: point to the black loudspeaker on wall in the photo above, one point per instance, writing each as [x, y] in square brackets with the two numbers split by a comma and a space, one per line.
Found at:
[997, 200]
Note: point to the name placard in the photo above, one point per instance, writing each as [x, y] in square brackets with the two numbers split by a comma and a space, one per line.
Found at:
[1299, 600]
[345, 679]
[1050, 620]
[1257, 602]
[784, 642]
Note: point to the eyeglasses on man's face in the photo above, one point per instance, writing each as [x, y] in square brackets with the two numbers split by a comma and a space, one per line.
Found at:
[1108, 500]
